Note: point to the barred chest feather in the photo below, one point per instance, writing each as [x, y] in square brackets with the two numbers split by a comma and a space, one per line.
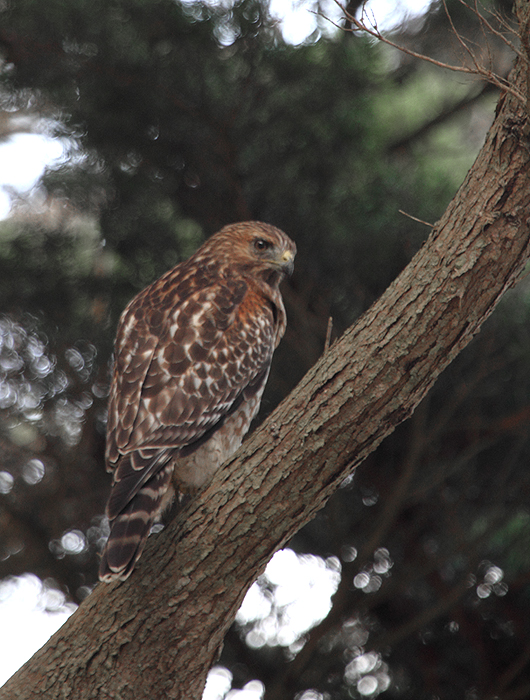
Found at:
[194, 470]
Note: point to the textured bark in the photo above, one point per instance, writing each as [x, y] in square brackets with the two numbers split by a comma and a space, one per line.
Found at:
[156, 635]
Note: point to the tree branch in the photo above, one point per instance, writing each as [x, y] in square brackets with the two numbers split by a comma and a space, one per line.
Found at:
[157, 634]
[476, 68]
[446, 112]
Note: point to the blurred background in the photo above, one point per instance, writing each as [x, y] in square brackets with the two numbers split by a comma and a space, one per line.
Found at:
[153, 123]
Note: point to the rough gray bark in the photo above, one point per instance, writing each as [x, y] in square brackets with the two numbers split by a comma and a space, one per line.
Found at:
[156, 635]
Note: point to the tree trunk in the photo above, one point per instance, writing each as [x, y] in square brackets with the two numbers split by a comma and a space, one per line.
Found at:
[157, 634]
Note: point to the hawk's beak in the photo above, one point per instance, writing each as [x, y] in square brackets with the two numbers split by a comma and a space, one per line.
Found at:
[287, 262]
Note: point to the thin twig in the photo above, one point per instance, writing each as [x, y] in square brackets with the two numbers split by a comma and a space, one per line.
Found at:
[327, 344]
[486, 73]
[414, 218]
[496, 32]
[461, 41]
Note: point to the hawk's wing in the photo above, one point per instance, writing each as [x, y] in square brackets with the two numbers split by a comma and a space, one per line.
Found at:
[178, 371]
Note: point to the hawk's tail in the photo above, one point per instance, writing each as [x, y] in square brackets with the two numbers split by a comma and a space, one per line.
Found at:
[130, 528]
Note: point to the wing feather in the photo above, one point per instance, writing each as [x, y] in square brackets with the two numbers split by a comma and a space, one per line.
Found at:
[171, 388]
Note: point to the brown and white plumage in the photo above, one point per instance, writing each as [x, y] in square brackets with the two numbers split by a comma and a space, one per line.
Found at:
[192, 356]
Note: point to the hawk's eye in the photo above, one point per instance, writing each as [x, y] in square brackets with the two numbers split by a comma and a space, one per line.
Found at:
[260, 244]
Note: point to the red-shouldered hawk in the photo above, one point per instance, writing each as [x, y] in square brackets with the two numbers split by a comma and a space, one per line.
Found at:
[192, 356]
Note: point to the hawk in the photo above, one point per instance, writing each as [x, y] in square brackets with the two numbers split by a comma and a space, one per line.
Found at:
[192, 357]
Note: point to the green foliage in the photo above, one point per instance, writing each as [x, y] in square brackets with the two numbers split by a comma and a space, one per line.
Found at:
[47, 270]
[184, 127]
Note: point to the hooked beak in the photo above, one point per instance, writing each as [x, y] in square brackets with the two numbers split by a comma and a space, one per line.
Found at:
[287, 262]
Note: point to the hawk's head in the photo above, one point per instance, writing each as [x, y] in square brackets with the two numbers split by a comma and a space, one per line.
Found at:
[252, 247]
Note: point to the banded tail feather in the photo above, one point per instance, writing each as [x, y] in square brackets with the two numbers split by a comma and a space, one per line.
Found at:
[130, 529]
